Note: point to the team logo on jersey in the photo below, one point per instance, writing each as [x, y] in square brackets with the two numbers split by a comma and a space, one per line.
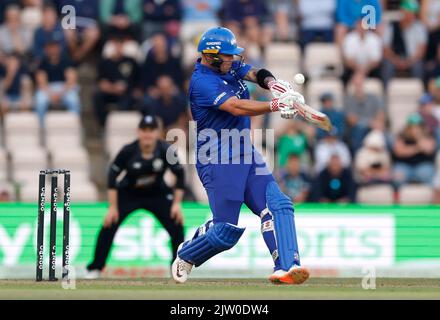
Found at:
[126, 69]
[137, 165]
[157, 164]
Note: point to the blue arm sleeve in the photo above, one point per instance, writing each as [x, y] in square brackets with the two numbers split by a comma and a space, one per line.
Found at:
[242, 70]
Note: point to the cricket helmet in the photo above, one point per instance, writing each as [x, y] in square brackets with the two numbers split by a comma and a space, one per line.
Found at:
[219, 40]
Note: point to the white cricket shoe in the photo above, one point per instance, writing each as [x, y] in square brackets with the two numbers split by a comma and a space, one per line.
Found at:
[92, 274]
[295, 275]
[180, 268]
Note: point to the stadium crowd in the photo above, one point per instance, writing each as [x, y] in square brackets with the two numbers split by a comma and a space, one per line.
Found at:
[142, 52]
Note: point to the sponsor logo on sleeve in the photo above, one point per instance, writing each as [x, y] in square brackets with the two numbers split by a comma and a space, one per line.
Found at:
[221, 95]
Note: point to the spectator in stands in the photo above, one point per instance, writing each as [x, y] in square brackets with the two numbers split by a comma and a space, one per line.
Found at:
[405, 43]
[430, 16]
[434, 90]
[117, 77]
[348, 13]
[57, 80]
[372, 163]
[13, 36]
[414, 153]
[161, 16]
[50, 28]
[198, 16]
[246, 16]
[293, 140]
[4, 4]
[365, 111]
[169, 104]
[121, 17]
[433, 67]
[293, 181]
[84, 37]
[362, 53]
[337, 118]
[335, 183]
[330, 145]
[15, 85]
[282, 11]
[160, 61]
[426, 110]
[316, 21]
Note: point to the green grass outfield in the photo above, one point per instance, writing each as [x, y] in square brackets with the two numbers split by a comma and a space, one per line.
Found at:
[200, 289]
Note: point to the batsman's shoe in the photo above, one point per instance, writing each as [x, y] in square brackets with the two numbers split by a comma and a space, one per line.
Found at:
[296, 275]
[180, 268]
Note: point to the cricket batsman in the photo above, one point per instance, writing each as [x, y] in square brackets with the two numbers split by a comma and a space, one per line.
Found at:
[220, 102]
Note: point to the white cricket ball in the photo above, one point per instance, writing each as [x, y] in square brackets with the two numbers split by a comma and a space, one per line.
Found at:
[299, 78]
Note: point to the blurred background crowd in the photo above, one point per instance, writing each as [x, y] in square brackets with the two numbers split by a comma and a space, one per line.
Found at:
[71, 97]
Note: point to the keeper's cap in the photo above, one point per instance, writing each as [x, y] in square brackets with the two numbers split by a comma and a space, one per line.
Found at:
[148, 121]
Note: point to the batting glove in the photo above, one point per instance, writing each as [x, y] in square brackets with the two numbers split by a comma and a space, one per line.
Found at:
[285, 104]
[284, 101]
[279, 87]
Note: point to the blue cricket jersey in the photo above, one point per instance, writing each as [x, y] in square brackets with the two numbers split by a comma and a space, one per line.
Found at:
[207, 91]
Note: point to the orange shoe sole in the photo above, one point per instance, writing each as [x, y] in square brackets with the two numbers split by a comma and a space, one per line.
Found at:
[294, 276]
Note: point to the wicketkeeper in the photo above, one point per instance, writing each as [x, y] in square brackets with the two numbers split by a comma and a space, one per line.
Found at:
[220, 100]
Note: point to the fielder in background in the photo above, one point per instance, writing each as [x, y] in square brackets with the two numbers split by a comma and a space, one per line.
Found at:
[219, 100]
[144, 161]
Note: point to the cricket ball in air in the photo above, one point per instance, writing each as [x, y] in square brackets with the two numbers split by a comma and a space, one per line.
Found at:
[299, 78]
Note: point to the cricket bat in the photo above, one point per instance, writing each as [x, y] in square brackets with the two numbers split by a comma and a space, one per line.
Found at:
[314, 116]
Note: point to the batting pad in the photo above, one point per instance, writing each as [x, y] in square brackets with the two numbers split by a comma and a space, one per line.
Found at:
[220, 237]
[281, 208]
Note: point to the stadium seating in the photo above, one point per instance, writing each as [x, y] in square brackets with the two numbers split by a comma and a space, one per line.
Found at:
[80, 192]
[377, 194]
[131, 49]
[22, 130]
[3, 165]
[416, 194]
[62, 130]
[284, 60]
[402, 96]
[26, 164]
[371, 86]
[189, 54]
[120, 129]
[31, 17]
[437, 160]
[75, 159]
[322, 59]
[316, 87]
